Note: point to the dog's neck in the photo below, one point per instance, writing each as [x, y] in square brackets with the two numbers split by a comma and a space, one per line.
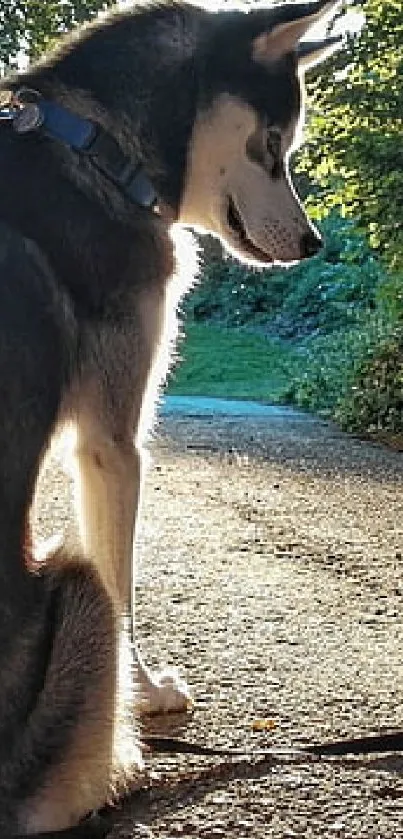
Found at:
[90, 76]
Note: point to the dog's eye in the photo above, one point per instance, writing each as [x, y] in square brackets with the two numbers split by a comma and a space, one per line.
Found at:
[273, 144]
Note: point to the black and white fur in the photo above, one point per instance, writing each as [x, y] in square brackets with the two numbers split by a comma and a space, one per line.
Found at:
[210, 104]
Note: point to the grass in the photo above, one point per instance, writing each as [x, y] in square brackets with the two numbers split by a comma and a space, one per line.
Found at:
[231, 364]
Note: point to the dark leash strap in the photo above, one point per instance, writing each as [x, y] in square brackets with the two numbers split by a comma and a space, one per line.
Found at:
[391, 742]
[97, 826]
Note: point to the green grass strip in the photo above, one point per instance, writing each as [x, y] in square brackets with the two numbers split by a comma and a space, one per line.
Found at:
[229, 363]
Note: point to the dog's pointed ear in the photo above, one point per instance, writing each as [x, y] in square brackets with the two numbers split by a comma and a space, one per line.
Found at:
[284, 38]
[311, 53]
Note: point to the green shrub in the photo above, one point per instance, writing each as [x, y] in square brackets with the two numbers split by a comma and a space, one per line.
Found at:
[231, 295]
[374, 400]
[327, 367]
[326, 293]
[332, 291]
[355, 376]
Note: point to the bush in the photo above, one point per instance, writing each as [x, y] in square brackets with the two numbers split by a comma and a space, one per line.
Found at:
[329, 364]
[231, 295]
[355, 377]
[334, 290]
[374, 401]
[327, 293]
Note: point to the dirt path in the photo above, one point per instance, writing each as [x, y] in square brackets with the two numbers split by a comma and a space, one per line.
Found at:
[272, 575]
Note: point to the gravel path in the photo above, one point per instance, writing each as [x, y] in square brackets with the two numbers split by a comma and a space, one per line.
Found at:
[271, 574]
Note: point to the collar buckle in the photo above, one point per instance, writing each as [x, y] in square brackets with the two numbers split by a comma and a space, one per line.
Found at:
[27, 118]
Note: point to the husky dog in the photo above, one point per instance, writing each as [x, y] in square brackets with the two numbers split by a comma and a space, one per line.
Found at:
[160, 116]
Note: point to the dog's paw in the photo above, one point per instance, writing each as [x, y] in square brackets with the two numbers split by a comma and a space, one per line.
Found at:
[164, 693]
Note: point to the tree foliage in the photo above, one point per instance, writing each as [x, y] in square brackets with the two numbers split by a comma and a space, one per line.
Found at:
[354, 148]
[29, 27]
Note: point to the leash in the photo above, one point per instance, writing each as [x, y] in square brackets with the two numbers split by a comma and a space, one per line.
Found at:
[98, 825]
[388, 743]
[27, 112]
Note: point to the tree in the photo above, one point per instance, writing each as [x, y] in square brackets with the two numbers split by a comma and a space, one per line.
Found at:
[354, 148]
[28, 27]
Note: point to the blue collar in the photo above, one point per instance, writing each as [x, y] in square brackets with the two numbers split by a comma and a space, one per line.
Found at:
[85, 137]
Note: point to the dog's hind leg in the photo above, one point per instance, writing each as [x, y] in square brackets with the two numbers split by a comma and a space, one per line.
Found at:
[58, 625]
[71, 730]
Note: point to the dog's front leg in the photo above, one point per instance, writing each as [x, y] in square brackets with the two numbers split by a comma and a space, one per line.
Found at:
[107, 487]
[108, 483]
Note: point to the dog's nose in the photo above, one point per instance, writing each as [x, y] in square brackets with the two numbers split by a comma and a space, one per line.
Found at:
[311, 243]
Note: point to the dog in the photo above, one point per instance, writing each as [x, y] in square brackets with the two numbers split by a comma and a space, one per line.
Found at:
[150, 121]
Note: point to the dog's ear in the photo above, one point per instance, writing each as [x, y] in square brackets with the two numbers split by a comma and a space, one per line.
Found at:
[311, 53]
[284, 37]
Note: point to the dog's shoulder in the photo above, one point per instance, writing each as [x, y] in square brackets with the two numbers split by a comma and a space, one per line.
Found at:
[30, 292]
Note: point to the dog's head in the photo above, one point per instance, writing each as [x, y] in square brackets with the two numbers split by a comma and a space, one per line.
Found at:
[237, 183]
